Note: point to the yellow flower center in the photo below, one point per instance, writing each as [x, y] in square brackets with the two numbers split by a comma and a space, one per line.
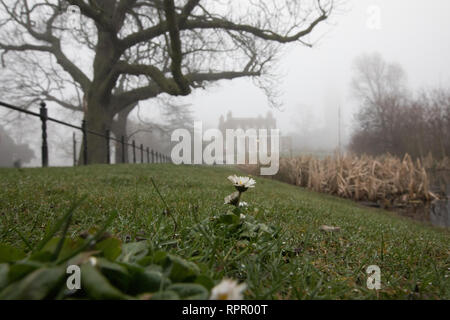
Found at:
[222, 296]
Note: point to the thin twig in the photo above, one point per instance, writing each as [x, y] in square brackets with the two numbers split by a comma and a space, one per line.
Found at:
[166, 205]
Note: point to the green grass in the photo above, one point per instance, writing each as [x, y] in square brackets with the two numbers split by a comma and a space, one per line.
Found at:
[414, 258]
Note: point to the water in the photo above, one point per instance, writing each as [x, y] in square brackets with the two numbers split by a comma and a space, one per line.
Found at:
[438, 212]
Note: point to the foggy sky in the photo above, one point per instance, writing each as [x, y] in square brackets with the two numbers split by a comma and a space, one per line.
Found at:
[315, 81]
[414, 33]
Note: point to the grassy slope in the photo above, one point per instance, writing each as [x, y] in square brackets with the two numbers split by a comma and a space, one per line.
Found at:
[412, 257]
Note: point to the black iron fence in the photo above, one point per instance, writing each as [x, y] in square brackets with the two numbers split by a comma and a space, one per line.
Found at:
[151, 155]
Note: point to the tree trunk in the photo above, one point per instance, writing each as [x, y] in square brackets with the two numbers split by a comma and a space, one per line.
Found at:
[97, 105]
[119, 129]
[98, 120]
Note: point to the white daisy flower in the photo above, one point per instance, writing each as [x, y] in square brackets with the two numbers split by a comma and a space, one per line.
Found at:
[228, 289]
[243, 204]
[93, 261]
[242, 183]
[242, 216]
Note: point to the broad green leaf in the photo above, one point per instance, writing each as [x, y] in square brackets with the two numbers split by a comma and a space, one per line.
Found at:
[132, 268]
[205, 281]
[4, 270]
[237, 211]
[42, 256]
[47, 253]
[111, 248]
[10, 254]
[229, 218]
[115, 273]
[21, 268]
[182, 270]
[133, 251]
[146, 261]
[97, 286]
[189, 291]
[88, 242]
[38, 285]
[159, 257]
[149, 281]
[165, 295]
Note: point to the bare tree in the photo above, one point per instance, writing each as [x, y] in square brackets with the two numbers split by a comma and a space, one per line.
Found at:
[391, 119]
[160, 47]
[380, 89]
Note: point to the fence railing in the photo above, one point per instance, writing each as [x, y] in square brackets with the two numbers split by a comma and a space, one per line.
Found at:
[152, 155]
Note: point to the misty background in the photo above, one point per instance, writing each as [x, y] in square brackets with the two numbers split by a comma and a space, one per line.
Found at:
[312, 83]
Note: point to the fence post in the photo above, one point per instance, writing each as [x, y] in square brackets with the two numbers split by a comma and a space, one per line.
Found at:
[85, 149]
[153, 156]
[142, 153]
[134, 151]
[74, 150]
[43, 113]
[108, 148]
[122, 141]
[156, 157]
[148, 155]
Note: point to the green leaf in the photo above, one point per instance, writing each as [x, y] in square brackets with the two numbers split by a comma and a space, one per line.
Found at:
[189, 291]
[89, 241]
[229, 218]
[149, 281]
[47, 253]
[146, 261]
[97, 286]
[20, 269]
[38, 285]
[117, 274]
[166, 295]
[4, 270]
[10, 254]
[182, 270]
[132, 268]
[159, 257]
[237, 211]
[133, 251]
[205, 281]
[111, 248]
[42, 256]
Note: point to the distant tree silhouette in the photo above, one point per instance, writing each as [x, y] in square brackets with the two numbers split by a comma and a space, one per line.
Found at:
[393, 120]
[12, 154]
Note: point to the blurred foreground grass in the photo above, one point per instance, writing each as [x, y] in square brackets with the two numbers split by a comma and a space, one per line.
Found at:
[414, 258]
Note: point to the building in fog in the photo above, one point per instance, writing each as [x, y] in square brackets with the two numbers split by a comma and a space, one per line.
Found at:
[257, 123]
[13, 154]
[269, 122]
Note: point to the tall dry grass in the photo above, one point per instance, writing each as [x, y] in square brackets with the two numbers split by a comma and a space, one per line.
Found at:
[387, 180]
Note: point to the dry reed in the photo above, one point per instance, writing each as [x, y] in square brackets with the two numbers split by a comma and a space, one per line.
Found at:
[386, 180]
